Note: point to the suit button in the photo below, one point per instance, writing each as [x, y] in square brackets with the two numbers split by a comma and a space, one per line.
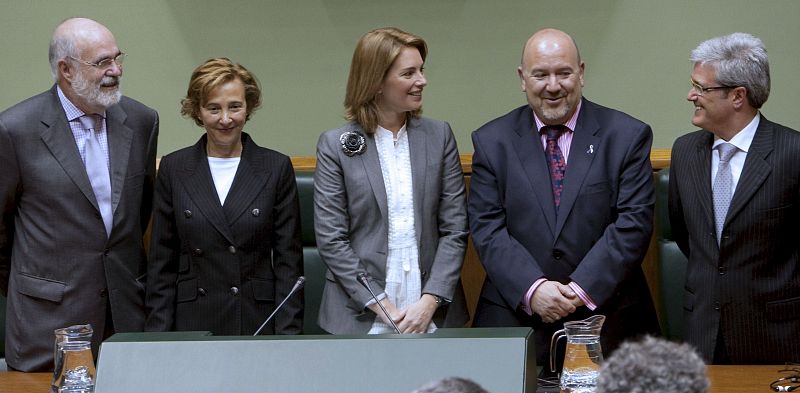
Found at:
[234, 291]
[187, 213]
[105, 252]
[103, 292]
[721, 270]
[716, 306]
[256, 212]
[557, 254]
[201, 291]
[232, 250]
[197, 252]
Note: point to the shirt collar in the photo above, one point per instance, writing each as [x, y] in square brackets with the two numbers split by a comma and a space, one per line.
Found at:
[744, 138]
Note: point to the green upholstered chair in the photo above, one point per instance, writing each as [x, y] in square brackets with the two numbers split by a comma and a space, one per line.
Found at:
[672, 264]
[313, 266]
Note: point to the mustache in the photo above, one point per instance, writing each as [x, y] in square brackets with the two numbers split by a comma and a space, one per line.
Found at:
[108, 81]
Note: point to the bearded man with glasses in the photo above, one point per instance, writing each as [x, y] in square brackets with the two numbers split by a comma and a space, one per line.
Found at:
[78, 164]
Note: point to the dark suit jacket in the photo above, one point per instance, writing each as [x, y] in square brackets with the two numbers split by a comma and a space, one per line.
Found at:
[749, 287]
[224, 268]
[57, 264]
[351, 223]
[599, 237]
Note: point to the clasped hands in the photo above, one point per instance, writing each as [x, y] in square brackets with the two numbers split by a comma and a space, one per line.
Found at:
[553, 300]
[413, 319]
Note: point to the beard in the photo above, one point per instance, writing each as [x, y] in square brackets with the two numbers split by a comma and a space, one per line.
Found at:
[92, 93]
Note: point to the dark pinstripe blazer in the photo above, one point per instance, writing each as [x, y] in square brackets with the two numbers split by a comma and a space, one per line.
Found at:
[749, 286]
[224, 268]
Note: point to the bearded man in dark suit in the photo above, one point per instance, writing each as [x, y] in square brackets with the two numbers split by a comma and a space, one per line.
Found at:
[78, 165]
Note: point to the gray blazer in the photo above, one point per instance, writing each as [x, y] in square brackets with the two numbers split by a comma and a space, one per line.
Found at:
[351, 223]
[57, 265]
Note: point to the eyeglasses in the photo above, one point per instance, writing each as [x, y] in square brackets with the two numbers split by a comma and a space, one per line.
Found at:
[700, 90]
[789, 383]
[105, 63]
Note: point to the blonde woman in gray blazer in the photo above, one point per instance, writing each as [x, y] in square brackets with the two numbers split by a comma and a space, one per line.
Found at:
[415, 227]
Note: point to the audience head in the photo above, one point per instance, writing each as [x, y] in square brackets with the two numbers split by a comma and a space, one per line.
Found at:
[451, 385]
[551, 74]
[653, 365]
[373, 87]
[86, 64]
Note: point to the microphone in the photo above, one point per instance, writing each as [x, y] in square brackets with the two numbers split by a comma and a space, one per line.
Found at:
[297, 285]
[362, 279]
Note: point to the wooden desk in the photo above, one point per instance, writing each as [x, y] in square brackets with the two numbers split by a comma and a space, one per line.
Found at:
[724, 379]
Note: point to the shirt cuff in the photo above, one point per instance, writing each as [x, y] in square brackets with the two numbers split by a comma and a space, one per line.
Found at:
[587, 300]
[380, 296]
[526, 300]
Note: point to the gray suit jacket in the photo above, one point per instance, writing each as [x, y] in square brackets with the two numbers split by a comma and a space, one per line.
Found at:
[57, 265]
[747, 289]
[351, 223]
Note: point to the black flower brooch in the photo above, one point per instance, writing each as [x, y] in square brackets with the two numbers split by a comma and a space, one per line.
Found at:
[353, 143]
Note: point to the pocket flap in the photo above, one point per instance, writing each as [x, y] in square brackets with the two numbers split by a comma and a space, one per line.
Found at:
[784, 309]
[263, 290]
[186, 290]
[41, 288]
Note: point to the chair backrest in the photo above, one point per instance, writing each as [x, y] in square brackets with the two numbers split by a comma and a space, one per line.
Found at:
[672, 264]
[313, 265]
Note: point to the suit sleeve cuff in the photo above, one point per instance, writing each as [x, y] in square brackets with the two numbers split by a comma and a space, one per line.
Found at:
[587, 300]
[526, 300]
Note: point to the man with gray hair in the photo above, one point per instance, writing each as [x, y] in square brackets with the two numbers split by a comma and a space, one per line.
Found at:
[653, 366]
[734, 206]
[78, 164]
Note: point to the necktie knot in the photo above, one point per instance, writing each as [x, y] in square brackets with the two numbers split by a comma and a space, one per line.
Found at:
[726, 151]
[89, 122]
[552, 133]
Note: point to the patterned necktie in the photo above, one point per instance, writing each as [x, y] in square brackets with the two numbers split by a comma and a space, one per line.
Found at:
[97, 169]
[555, 160]
[723, 186]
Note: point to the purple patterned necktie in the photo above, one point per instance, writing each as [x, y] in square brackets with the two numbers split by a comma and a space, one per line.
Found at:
[555, 160]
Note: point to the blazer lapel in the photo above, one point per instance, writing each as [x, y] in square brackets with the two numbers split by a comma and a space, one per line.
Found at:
[756, 169]
[531, 155]
[196, 177]
[582, 152]
[700, 176]
[372, 168]
[119, 150]
[58, 138]
[250, 177]
[417, 144]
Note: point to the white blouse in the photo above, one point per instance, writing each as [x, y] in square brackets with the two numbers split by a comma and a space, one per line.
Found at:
[403, 277]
